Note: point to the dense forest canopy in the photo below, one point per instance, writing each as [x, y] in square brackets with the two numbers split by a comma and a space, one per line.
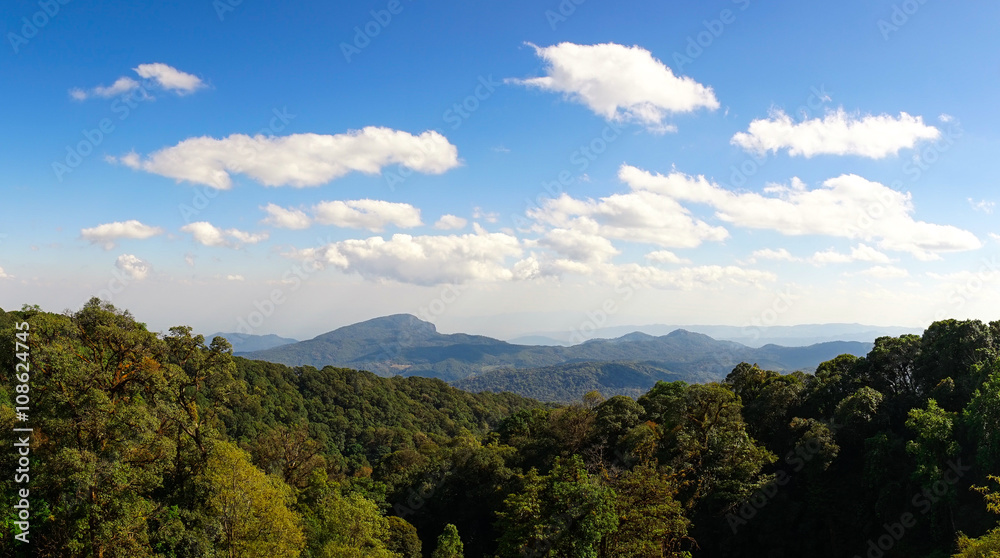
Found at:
[166, 445]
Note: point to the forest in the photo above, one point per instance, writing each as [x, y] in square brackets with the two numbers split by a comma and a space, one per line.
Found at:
[146, 444]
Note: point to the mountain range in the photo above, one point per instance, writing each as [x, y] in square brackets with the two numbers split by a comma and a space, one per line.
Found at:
[751, 336]
[405, 345]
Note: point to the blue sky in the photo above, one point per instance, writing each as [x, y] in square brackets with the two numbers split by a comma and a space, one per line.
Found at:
[285, 168]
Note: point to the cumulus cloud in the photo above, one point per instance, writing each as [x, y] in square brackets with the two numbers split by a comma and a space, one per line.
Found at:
[234, 278]
[841, 207]
[576, 245]
[373, 215]
[450, 222]
[638, 216]
[109, 233]
[158, 76]
[620, 83]
[170, 78]
[488, 216]
[208, 234]
[298, 160]
[859, 253]
[780, 254]
[423, 260]
[885, 272]
[283, 218]
[665, 256]
[133, 266]
[837, 133]
[5, 275]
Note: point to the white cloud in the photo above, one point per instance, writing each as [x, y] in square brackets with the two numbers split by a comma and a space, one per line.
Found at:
[576, 245]
[109, 233]
[189, 259]
[780, 254]
[620, 83]
[995, 236]
[690, 278]
[665, 256]
[298, 160]
[859, 253]
[489, 217]
[837, 133]
[120, 86]
[885, 272]
[373, 215]
[847, 206]
[450, 222]
[982, 205]
[423, 260]
[170, 78]
[283, 218]
[158, 76]
[133, 266]
[4, 275]
[234, 278]
[639, 216]
[207, 234]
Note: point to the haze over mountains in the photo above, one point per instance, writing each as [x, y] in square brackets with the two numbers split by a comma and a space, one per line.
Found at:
[751, 336]
[403, 344]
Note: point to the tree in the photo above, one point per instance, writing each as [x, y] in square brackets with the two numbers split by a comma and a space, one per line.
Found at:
[99, 393]
[564, 514]
[651, 522]
[252, 508]
[933, 442]
[449, 545]
[346, 525]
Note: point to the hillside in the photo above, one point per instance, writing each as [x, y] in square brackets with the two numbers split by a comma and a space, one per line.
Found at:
[403, 344]
[569, 382]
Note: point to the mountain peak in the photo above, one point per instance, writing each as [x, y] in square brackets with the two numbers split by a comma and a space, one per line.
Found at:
[392, 326]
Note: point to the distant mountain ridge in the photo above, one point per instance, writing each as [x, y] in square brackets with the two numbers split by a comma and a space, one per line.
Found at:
[752, 336]
[243, 342]
[404, 344]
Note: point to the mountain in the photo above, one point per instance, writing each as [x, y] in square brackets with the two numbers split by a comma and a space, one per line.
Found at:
[788, 336]
[243, 343]
[403, 344]
[569, 382]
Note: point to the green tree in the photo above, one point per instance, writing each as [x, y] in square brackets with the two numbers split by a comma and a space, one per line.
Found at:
[345, 524]
[251, 507]
[933, 443]
[564, 514]
[449, 544]
[651, 522]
